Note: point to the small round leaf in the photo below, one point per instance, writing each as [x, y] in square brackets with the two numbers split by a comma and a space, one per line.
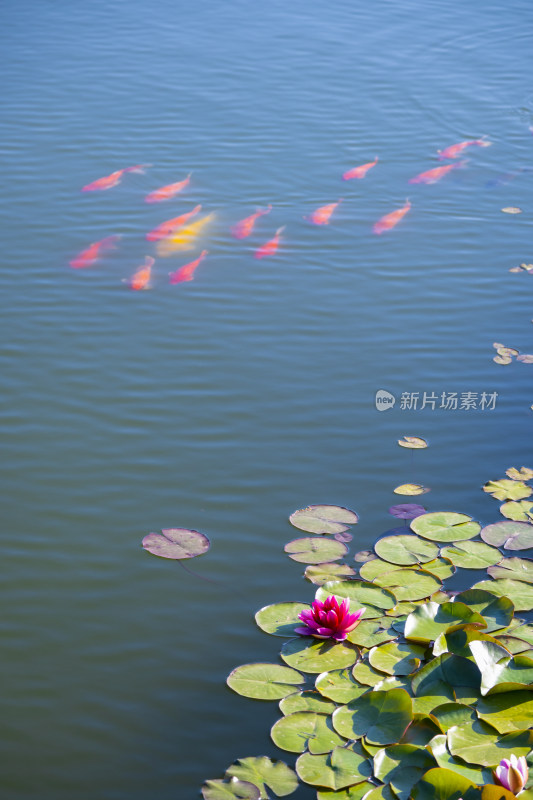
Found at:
[176, 543]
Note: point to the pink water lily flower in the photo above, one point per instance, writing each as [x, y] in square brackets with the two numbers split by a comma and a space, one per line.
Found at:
[329, 620]
[512, 773]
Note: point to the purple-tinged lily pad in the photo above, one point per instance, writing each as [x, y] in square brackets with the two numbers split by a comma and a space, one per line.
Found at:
[323, 519]
[315, 550]
[525, 358]
[343, 537]
[510, 535]
[176, 543]
[407, 510]
[364, 555]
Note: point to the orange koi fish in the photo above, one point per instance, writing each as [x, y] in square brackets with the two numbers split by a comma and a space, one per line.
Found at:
[359, 172]
[455, 150]
[323, 214]
[186, 273]
[167, 228]
[244, 228]
[434, 175]
[111, 180]
[270, 247]
[141, 279]
[184, 238]
[391, 220]
[166, 192]
[89, 256]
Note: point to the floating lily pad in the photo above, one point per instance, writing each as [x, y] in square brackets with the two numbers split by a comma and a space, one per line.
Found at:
[336, 770]
[372, 569]
[471, 555]
[315, 655]
[323, 519]
[409, 584]
[176, 543]
[496, 611]
[366, 674]
[524, 473]
[421, 730]
[441, 568]
[364, 555]
[524, 632]
[428, 621]
[511, 210]
[343, 537]
[381, 717]
[519, 593]
[339, 685]
[525, 358]
[413, 442]
[445, 760]
[370, 633]
[519, 569]
[356, 792]
[450, 714]
[406, 549]
[445, 526]
[377, 793]
[264, 681]
[305, 730]
[265, 774]
[511, 535]
[458, 641]
[407, 510]
[396, 658]
[319, 574]
[306, 701]
[477, 743]
[230, 790]
[507, 711]
[411, 489]
[402, 765]
[513, 644]
[445, 670]
[280, 619]
[361, 592]
[499, 670]
[315, 550]
[507, 489]
[519, 510]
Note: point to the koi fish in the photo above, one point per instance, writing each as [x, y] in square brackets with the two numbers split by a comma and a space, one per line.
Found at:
[244, 228]
[391, 220]
[434, 175]
[184, 238]
[141, 279]
[359, 172]
[111, 180]
[323, 214]
[186, 273]
[166, 192]
[270, 247]
[89, 256]
[455, 150]
[167, 228]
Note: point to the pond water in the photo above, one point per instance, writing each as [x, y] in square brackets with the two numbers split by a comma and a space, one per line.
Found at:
[226, 403]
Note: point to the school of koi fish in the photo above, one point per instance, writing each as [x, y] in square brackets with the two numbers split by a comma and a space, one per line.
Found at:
[184, 232]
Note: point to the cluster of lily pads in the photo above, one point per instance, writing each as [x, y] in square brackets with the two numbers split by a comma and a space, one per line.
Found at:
[505, 355]
[430, 690]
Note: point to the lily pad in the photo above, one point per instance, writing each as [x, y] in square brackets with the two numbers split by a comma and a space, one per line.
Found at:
[478, 744]
[264, 681]
[511, 210]
[445, 670]
[361, 592]
[507, 711]
[336, 770]
[323, 519]
[507, 489]
[496, 611]
[265, 774]
[402, 765]
[366, 674]
[411, 489]
[319, 574]
[445, 526]
[429, 620]
[364, 555]
[519, 510]
[441, 568]
[472, 555]
[524, 473]
[230, 790]
[405, 549]
[339, 685]
[421, 730]
[356, 792]
[381, 717]
[450, 714]
[315, 550]
[396, 658]
[444, 759]
[519, 593]
[305, 730]
[441, 784]
[372, 569]
[407, 510]
[413, 442]
[315, 655]
[280, 619]
[499, 670]
[370, 632]
[176, 543]
[511, 535]
[408, 584]
[519, 569]
[308, 700]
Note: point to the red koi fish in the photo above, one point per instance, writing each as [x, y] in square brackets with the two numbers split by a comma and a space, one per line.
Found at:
[111, 180]
[270, 247]
[455, 150]
[244, 228]
[322, 215]
[166, 192]
[359, 172]
[434, 175]
[141, 279]
[391, 220]
[89, 256]
[186, 273]
[171, 225]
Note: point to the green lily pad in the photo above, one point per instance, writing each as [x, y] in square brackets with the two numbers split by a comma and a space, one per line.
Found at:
[519, 569]
[402, 765]
[319, 574]
[519, 510]
[336, 770]
[394, 682]
[519, 593]
[432, 695]
[450, 714]
[510, 535]
[375, 568]
[405, 549]
[308, 700]
[445, 526]
[264, 681]
[381, 717]
[472, 555]
[459, 641]
[396, 658]
[280, 619]
[367, 675]
[370, 632]
[513, 644]
[448, 669]
[409, 584]
[339, 685]
[362, 592]
[323, 519]
[421, 730]
[499, 669]
[377, 793]
[524, 632]
[442, 568]
[429, 620]
[316, 655]
[508, 711]
[314, 550]
[507, 489]
[356, 792]
[265, 774]
[410, 489]
[305, 730]
[445, 760]
[496, 611]
[441, 784]
[522, 474]
[230, 790]
[478, 744]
